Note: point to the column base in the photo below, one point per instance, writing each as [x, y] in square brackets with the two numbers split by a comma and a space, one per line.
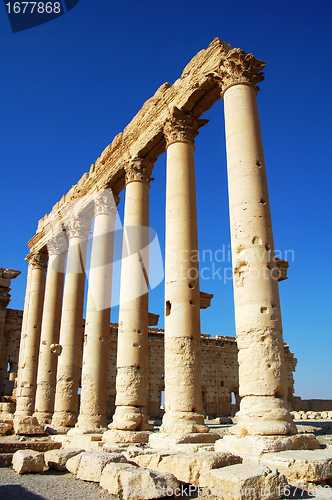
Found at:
[43, 417]
[120, 436]
[130, 418]
[257, 445]
[183, 422]
[263, 415]
[63, 419]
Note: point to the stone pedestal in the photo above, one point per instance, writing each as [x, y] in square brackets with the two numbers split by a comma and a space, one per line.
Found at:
[183, 393]
[262, 378]
[132, 355]
[71, 333]
[26, 389]
[97, 326]
[50, 331]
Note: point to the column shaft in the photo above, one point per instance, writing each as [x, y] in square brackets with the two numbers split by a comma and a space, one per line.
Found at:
[97, 327]
[263, 408]
[71, 336]
[26, 390]
[183, 395]
[48, 359]
[132, 355]
[23, 328]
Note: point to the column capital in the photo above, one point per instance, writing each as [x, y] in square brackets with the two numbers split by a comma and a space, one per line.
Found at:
[37, 260]
[58, 244]
[238, 67]
[180, 127]
[79, 227]
[106, 202]
[138, 169]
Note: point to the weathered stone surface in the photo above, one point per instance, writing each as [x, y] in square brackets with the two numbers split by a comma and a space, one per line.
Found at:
[188, 467]
[166, 441]
[143, 484]
[245, 482]
[57, 459]
[74, 462]
[28, 426]
[92, 464]
[120, 436]
[110, 477]
[6, 426]
[28, 461]
[301, 465]
[149, 459]
[6, 459]
[255, 445]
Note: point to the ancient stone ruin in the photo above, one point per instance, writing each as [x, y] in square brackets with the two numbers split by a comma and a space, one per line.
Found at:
[185, 448]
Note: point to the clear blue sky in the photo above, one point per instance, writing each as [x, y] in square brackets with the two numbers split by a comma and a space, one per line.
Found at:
[69, 86]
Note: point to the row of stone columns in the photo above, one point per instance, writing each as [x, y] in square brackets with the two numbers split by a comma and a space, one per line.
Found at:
[257, 308]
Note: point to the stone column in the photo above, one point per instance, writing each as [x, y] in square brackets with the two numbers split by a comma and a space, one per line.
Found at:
[50, 330]
[71, 332]
[92, 415]
[26, 389]
[23, 328]
[183, 393]
[263, 408]
[132, 355]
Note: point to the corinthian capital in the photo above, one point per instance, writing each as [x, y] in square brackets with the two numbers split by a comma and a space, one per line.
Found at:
[239, 67]
[79, 227]
[181, 127]
[106, 202]
[138, 169]
[37, 260]
[58, 244]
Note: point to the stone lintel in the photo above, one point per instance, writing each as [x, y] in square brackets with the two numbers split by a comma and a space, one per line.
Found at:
[198, 88]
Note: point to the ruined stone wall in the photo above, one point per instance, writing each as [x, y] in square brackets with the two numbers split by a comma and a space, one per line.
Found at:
[312, 404]
[10, 350]
[219, 370]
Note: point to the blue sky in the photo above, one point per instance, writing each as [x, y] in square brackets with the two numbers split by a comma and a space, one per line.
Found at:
[69, 86]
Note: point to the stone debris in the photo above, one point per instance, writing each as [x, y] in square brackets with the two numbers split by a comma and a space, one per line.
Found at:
[123, 436]
[256, 445]
[143, 484]
[57, 459]
[73, 463]
[188, 467]
[28, 426]
[6, 427]
[301, 465]
[195, 440]
[311, 415]
[28, 461]
[92, 464]
[110, 477]
[245, 482]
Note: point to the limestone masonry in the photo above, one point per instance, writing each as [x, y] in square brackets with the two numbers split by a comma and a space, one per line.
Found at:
[220, 369]
[71, 382]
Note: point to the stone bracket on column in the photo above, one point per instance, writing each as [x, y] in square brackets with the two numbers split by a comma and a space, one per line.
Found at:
[205, 299]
